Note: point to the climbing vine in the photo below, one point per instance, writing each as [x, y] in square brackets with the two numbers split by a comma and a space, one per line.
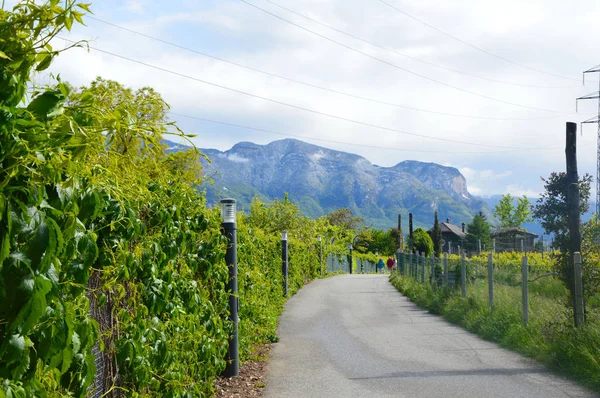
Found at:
[112, 272]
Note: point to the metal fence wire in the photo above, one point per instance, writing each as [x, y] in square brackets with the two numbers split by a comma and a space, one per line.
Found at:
[106, 369]
[339, 262]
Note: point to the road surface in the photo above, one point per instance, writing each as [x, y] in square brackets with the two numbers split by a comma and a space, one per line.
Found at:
[357, 336]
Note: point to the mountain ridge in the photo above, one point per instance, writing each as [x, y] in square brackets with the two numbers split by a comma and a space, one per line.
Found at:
[321, 180]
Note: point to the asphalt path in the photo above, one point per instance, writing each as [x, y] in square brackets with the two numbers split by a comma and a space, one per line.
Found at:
[357, 336]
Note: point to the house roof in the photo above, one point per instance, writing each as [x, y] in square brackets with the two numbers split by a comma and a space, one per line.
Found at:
[446, 227]
[512, 231]
[455, 229]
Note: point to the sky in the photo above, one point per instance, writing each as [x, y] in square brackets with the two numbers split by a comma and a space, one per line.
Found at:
[483, 86]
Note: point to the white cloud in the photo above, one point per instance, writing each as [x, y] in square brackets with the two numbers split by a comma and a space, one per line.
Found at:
[546, 34]
[234, 157]
[136, 6]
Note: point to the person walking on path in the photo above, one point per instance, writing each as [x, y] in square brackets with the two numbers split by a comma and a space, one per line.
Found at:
[380, 265]
[390, 264]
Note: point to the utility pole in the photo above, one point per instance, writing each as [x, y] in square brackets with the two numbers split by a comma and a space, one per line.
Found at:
[573, 217]
[596, 120]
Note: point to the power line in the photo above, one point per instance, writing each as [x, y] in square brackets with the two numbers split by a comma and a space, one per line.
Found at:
[314, 85]
[346, 142]
[472, 45]
[397, 66]
[409, 56]
[295, 106]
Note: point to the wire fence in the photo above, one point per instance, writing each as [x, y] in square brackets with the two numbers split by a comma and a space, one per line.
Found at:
[339, 263]
[461, 275]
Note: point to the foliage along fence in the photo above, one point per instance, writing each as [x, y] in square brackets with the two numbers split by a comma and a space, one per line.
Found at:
[547, 333]
[338, 263]
[112, 272]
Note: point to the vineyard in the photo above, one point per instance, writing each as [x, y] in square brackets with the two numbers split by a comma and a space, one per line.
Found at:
[112, 271]
[545, 333]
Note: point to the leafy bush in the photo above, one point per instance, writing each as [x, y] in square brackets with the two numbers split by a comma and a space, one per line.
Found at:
[106, 241]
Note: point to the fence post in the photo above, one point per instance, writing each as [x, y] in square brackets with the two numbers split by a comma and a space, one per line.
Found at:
[494, 245]
[432, 268]
[579, 310]
[479, 246]
[525, 280]
[423, 261]
[490, 281]
[463, 275]
[410, 265]
[446, 271]
[522, 246]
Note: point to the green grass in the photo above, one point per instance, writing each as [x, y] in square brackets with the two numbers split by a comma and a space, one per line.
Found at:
[548, 337]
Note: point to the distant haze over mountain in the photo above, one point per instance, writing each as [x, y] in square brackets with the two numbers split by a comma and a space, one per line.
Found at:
[321, 180]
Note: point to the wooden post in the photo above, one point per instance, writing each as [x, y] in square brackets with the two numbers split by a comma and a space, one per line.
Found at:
[573, 211]
[522, 246]
[463, 275]
[432, 268]
[478, 246]
[399, 240]
[446, 271]
[525, 297]
[494, 245]
[411, 242]
[490, 281]
[579, 309]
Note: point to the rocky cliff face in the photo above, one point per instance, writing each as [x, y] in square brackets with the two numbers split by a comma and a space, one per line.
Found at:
[321, 180]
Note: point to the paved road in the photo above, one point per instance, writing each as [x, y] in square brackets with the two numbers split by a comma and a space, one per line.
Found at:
[356, 336]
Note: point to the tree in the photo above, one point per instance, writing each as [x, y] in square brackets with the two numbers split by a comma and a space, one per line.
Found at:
[552, 210]
[382, 242]
[511, 216]
[423, 242]
[478, 229]
[436, 236]
[345, 218]
[275, 217]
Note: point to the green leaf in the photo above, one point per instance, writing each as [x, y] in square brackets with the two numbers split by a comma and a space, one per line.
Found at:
[38, 304]
[69, 22]
[5, 249]
[85, 6]
[15, 348]
[3, 55]
[44, 61]
[47, 105]
[77, 15]
[101, 300]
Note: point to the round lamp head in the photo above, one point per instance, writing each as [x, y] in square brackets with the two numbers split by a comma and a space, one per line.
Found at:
[228, 210]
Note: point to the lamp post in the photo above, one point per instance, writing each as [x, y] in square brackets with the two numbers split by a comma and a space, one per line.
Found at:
[229, 228]
[320, 253]
[350, 257]
[284, 261]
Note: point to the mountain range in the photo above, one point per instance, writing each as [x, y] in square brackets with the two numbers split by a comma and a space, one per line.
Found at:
[321, 180]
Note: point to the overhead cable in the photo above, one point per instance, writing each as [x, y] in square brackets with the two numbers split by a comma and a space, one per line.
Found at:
[352, 143]
[400, 67]
[373, 100]
[410, 56]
